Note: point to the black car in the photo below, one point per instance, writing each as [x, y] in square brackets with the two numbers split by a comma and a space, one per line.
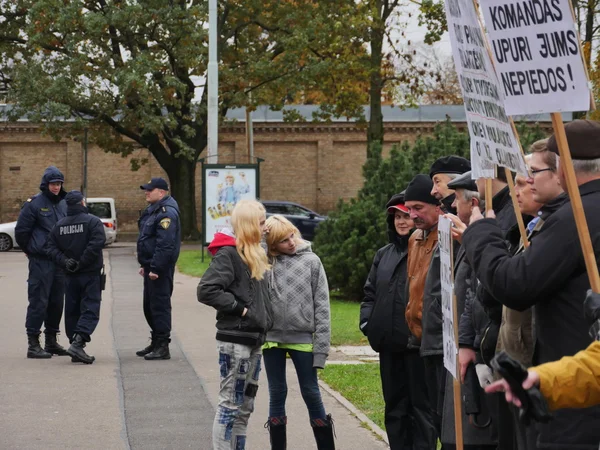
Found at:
[305, 220]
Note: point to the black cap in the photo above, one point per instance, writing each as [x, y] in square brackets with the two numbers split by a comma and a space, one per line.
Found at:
[450, 164]
[73, 198]
[419, 190]
[463, 181]
[583, 137]
[396, 203]
[155, 183]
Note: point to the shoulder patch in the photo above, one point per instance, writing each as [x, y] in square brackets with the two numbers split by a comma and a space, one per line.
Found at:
[165, 223]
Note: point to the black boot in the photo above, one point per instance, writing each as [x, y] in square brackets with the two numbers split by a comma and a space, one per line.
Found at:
[52, 345]
[323, 431]
[277, 432]
[34, 349]
[77, 352]
[160, 351]
[148, 349]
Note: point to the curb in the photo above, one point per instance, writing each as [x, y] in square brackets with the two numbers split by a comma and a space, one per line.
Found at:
[354, 410]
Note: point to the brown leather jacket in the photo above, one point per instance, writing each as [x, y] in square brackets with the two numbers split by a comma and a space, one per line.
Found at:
[420, 250]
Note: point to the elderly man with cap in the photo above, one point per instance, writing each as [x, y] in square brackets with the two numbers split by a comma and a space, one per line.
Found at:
[46, 282]
[551, 275]
[442, 171]
[75, 243]
[157, 251]
[408, 420]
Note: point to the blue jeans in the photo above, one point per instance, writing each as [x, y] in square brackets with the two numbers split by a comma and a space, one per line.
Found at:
[275, 362]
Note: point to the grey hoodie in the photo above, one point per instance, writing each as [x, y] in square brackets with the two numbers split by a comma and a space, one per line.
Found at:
[300, 302]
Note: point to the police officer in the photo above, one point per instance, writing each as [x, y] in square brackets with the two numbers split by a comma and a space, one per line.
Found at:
[76, 243]
[157, 251]
[45, 285]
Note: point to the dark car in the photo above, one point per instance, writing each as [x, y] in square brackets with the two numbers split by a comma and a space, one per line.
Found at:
[305, 219]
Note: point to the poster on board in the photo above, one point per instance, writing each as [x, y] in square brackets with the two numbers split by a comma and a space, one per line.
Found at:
[535, 45]
[224, 187]
[447, 282]
[493, 141]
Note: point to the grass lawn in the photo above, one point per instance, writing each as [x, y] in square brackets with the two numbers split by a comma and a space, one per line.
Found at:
[360, 384]
[190, 262]
[344, 323]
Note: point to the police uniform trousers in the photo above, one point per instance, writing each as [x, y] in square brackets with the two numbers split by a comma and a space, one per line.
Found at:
[46, 294]
[82, 305]
[157, 302]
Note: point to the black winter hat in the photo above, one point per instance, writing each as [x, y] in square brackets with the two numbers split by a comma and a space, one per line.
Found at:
[419, 190]
[74, 197]
[463, 182]
[450, 164]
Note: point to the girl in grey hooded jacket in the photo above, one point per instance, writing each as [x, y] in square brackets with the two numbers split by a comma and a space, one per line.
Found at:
[301, 328]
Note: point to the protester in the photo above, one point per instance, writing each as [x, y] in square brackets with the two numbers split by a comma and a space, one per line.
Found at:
[75, 243]
[551, 275]
[423, 311]
[235, 284]
[442, 171]
[157, 251]
[46, 282]
[301, 329]
[408, 420]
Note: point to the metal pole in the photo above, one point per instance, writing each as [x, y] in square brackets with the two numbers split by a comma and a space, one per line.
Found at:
[213, 85]
[85, 158]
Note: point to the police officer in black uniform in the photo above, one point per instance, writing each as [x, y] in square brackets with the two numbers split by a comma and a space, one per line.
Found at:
[45, 285]
[76, 243]
[157, 251]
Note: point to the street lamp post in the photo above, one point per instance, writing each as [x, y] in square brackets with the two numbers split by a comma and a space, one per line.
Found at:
[213, 85]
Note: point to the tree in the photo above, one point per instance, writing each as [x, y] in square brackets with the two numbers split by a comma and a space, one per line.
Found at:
[133, 72]
[442, 86]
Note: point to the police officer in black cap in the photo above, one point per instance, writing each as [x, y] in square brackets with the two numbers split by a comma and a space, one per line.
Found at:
[76, 243]
[157, 251]
[45, 285]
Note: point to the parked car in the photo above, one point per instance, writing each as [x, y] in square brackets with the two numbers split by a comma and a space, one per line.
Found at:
[104, 209]
[7, 236]
[305, 219]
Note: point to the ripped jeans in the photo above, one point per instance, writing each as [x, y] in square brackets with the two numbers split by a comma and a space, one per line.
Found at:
[240, 367]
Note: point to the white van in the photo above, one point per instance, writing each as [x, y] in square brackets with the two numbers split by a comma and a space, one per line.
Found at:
[104, 209]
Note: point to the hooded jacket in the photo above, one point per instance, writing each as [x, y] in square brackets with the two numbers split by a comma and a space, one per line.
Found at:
[300, 302]
[160, 236]
[382, 310]
[228, 287]
[39, 214]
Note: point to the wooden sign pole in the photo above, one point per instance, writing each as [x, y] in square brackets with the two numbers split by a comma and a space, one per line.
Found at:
[456, 388]
[488, 195]
[566, 165]
[513, 196]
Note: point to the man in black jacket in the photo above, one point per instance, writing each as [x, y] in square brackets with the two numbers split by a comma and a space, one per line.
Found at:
[551, 275]
[408, 420]
[46, 282]
[75, 243]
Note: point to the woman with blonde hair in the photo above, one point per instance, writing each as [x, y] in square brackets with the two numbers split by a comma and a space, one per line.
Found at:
[235, 284]
[301, 328]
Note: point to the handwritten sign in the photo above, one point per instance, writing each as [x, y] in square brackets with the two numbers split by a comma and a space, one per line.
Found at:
[538, 58]
[447, 282]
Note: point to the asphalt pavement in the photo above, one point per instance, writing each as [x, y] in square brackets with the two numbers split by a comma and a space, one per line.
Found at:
[122, 401]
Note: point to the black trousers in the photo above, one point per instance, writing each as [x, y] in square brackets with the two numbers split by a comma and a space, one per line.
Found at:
[82, 305]
[46, 295]
[408, 418]
[157, 302]
[435, 376]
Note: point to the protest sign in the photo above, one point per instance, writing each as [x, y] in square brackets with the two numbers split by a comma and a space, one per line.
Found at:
[537, 55]
[447, 284]
[493, 140]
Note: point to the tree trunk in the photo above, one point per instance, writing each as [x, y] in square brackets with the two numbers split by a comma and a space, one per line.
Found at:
[375, 130]
[182, 176]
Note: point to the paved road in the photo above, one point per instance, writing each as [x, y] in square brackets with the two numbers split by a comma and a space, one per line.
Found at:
[122, 401]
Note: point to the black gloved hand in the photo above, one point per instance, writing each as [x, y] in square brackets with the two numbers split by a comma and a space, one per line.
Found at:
[72, 265]
[591, 309]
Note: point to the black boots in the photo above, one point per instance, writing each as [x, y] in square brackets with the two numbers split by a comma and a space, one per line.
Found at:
[52, 345]
[34, 349]
[323, 431]
[77, 352]
[160, 350]
[277, 432]
[148, 349]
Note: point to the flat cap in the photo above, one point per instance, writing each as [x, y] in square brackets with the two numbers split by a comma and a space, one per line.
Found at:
[449, 164]
[583, 137]
[463, 181]
[155, 183]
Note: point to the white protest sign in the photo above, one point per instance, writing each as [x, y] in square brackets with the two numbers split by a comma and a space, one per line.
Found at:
[447, 282]
[537, 54]
[492, 138]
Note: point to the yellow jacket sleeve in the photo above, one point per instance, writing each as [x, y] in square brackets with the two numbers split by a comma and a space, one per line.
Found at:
[574, 381]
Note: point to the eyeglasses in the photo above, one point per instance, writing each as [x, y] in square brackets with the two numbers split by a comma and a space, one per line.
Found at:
[534, 172]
